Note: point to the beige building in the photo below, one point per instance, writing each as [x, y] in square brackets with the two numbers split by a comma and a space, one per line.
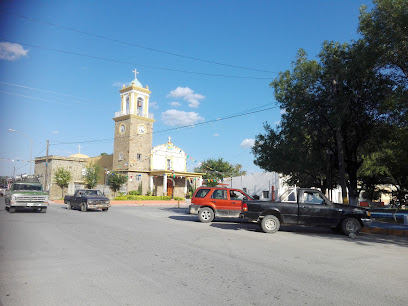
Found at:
[76, 164]
[158, 171]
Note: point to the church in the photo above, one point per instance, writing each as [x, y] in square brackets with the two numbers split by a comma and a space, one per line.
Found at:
[160, 170]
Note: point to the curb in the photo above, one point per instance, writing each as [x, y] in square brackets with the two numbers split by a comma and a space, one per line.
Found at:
[385, 231]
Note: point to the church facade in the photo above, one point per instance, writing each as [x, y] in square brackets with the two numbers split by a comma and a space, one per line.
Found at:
[158, 171]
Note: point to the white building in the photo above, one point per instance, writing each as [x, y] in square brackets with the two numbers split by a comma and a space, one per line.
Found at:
[265, 185]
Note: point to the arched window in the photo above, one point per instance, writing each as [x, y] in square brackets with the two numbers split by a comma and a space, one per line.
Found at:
[140, 106]
[127, 105]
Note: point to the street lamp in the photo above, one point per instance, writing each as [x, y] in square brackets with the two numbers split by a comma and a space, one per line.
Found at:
[106, 172]
[31, 145]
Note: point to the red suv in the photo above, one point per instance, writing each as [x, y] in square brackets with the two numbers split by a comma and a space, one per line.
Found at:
[211, 202]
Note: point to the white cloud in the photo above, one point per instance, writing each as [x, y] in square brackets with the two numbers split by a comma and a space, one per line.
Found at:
[175, 104]
[216, 135]
[153, 105]
[117, 84]
[174, 117]
[247, 143]
[11, 52]
[55, 132]
[188, 95]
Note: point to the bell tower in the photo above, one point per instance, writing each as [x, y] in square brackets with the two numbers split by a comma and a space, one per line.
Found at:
[133, 134]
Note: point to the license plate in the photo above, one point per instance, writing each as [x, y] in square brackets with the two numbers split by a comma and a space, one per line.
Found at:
[30, 204]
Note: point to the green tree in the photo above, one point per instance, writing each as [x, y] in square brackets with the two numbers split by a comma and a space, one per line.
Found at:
[92, 175]
[218, 169]
[62, 178]
[337, 105]
[385, 30]
[116, 180]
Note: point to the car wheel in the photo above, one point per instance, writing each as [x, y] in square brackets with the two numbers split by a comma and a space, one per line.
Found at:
[206, 215]
[104, 209]
[270, 224]
[69, 207]
[350, 226]
[83, 207]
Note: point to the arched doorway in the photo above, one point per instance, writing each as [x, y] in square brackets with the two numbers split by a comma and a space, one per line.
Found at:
[170, 186]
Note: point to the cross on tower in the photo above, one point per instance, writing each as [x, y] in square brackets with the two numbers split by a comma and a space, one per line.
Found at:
[169, 139]
[136, 73]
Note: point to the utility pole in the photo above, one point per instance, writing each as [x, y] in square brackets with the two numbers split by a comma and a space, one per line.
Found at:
[46, 168]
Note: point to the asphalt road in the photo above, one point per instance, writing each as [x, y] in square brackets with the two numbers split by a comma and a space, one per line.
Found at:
[163, 256]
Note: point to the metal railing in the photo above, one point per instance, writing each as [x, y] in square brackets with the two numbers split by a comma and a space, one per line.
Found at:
[129, 112]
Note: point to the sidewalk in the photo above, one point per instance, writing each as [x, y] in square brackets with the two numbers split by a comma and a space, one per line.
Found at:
[383, 228]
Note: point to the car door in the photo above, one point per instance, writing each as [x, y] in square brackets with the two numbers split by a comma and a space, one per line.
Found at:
[235, 202]
[315, 210]
[76, 200]
[219, 198]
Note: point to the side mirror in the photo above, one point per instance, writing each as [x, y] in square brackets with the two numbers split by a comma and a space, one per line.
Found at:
[245, 198]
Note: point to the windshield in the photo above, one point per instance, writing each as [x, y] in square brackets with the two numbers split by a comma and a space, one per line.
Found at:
[91, 193]
[27, 187]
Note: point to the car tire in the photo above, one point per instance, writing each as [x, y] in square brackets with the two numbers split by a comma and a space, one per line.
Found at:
[83, 207]
[350, 226]
[206, 215]
[104, 209]
[270, 224]
[69, 207]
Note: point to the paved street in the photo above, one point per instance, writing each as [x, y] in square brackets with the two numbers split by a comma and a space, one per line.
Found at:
[163, 256]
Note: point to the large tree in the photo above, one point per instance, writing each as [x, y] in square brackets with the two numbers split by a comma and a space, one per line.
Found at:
[218, 169]
[335, 105]
[385, 29]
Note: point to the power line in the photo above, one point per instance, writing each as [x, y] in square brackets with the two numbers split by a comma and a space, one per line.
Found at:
[172, 129]
[133, 44]
[42, 90]
[141, 65]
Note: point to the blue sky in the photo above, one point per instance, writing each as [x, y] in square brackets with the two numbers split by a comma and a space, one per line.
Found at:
[63, 62]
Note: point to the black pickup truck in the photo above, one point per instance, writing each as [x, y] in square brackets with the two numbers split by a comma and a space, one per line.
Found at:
[85, 199]
[305, 207]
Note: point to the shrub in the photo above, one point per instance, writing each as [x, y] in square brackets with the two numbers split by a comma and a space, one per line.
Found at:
[121, 198]
[134, 192]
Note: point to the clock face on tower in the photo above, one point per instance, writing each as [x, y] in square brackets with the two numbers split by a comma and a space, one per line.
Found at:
[122, 128]
[141, 129]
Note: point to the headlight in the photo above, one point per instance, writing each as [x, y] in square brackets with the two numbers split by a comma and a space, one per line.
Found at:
[13, 197]
[90, 202]
[106, 202]
[368, 213]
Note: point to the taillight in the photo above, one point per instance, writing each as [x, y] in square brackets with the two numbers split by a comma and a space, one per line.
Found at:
[244, 207]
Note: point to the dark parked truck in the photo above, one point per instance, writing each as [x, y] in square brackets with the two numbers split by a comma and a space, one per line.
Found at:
[85, 199]
[26, 192]
[305, 207]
